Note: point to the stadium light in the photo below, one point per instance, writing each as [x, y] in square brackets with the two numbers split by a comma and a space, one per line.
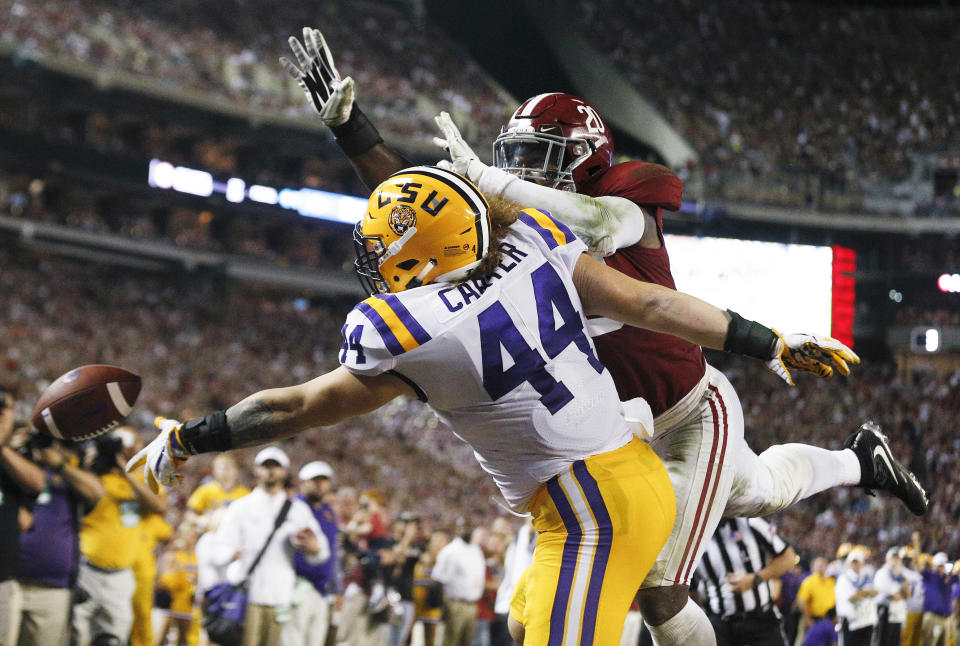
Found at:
[308, 202]
[263, 194]
[949, 283]
[236, 188]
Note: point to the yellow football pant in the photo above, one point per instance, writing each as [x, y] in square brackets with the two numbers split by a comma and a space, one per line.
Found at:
[910, 634]
[145, 573]
[601, 523]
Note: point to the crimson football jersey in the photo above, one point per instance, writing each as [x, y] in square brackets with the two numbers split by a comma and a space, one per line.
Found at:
[658, 367]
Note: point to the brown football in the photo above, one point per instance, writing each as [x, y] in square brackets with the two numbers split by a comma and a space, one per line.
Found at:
[86, 402]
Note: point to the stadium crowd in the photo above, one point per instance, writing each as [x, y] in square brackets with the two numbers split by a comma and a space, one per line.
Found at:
[231, 54]
[836, 97]
[170, 329]
[863, 98]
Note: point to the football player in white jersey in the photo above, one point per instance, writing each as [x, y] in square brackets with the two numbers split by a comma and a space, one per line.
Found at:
[481, 312]
[557, 140]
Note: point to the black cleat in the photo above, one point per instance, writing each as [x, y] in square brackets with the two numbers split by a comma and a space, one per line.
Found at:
[880, 470]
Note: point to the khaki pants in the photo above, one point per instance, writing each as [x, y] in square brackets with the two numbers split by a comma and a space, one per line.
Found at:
[10, 600]
[937, 629]
[261, 628]
[109, 610]
[45, 616]
[460, 622]
[309, 619]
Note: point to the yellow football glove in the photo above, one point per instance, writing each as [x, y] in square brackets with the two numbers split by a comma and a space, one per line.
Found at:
[157, 458]
[819, 355]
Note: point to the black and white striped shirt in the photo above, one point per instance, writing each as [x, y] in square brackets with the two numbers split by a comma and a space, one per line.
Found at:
[739, 545]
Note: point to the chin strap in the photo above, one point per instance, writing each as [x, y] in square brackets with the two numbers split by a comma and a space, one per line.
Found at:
[418, 280]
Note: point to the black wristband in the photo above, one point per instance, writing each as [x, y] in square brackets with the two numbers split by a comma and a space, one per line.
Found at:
[749, 338]
[206, 434]
[357, 135]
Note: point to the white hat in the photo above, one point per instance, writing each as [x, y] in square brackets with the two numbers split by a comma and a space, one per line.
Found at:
[940, 558]
[274, 453]
[315, 469]
[856, 554]
[894, 551]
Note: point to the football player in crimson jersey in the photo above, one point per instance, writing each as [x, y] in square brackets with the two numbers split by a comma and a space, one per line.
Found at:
[560, 145]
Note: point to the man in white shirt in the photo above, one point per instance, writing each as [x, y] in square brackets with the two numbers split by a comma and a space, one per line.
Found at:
[893, 588]
[461, 568]
[244, 530]
[856, 601]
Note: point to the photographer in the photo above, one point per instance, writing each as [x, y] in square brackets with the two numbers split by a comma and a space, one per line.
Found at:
[109, 543]
[49, 551]
[20, 481]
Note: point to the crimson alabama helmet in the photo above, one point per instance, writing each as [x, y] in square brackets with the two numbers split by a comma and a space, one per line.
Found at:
[555, 139]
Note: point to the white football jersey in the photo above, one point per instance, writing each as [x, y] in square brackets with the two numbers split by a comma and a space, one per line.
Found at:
[505, 362]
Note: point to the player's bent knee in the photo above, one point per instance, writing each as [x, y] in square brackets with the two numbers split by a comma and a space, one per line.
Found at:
[659, 605]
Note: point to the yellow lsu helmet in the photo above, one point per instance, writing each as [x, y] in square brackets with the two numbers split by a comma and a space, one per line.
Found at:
[422, 225]
[843, 550]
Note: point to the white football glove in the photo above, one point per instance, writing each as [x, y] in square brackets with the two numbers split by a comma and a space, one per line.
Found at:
[463, 160]
[332, 97]
[159, 463]
[820, 355]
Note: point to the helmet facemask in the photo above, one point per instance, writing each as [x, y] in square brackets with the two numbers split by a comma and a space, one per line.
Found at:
[369, 251]
[541, 158]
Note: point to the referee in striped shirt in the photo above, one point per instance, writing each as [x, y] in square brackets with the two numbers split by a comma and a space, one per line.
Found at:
[734, 574]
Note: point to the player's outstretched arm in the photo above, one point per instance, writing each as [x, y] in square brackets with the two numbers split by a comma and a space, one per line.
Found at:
[604, 223]
[264, 417]
[275, 414]
[607, 292]
[332, 97]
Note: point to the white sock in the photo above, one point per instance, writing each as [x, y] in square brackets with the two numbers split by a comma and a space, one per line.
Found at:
[830, 468]
[689, 627]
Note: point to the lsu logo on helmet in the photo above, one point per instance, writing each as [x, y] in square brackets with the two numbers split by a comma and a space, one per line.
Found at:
[422, 225]
[402, 217]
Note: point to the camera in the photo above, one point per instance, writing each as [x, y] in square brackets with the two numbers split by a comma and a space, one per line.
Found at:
[38, 440]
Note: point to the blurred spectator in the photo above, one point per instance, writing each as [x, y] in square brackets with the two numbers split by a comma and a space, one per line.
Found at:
[428, 593]
[212, 556]
[912, 633]
[893, 588]
[461, 568]
[316, 582]
[938, 627]
[49, 553]
[856, 601]
[787, 599]
[409, 548]
[20, 481]
[224, 487]
[153, 529]
[815, 596]
[110, 542]
[517, 558]
[245, 529]
[823, 632]
[178, 576]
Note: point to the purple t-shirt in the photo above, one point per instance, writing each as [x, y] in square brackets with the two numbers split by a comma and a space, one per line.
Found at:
[48, 551]
[936, 592]
[822, 633]
[323, 576]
